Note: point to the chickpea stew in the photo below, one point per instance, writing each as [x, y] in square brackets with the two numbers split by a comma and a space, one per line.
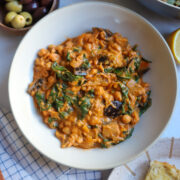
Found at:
[90, 89]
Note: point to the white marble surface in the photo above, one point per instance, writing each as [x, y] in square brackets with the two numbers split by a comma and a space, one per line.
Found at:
[9, 43]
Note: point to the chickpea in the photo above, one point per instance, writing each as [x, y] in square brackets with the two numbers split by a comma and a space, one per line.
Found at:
[54, 57]
[118, 96]
[116, 47]
[94, 71]
[75, 130]
[45, 113]
[99, 91]
[101, 68]
[42, 52]
[66, 130]
[45, 73]
[80, 139]
[59, 48]
[48, 65]
[135, 116]
[67, 123]
[116, 86]
[51, 79]
[126, 119]
[85, 129]
[102, 35]
[52, 47]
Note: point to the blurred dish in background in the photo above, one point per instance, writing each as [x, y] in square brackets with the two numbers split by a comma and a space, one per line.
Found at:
[162, 7]
[172, 2]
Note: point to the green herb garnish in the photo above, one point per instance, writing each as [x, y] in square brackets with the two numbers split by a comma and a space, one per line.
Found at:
[39, 97]
[58, 103]
[134, 48]
[63, 115]
[77, 49]
[108, 70]
[86, 65]
[124, 91]
[136, 78]
[103, 145]
[63, 73]
[91, 93]
[43, 105]
[93, 126]
[137, 61]
[130, 110]
[131, 70]
[146, 105]
[70, 92]
[50, 120]
[130, 134]
[83, 105]
[53, 94]
[68, 57]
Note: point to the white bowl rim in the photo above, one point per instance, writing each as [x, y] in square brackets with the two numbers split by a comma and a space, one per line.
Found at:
[134, 14]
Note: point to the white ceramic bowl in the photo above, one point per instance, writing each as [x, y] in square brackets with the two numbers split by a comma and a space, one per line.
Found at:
[162, 8]
[72, 21]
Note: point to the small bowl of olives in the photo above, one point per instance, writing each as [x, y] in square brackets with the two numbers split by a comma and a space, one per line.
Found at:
[21, 15]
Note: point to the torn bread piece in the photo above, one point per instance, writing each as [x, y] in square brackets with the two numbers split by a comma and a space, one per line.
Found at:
[162, 171]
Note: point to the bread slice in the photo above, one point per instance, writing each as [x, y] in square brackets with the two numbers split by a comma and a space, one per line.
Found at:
[162, 171]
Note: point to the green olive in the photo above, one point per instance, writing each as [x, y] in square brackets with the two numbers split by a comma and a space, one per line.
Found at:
[18, 22]
[14, 6]
[28, 18]
[9, 17]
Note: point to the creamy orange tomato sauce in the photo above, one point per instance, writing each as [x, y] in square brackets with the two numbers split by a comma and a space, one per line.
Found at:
[90, 89]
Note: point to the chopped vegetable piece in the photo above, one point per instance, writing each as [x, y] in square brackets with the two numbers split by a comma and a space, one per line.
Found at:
[113, 110]
[146, 60]
[103, 59]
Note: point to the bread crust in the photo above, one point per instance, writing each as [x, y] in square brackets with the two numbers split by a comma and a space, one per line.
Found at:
[162, 170]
